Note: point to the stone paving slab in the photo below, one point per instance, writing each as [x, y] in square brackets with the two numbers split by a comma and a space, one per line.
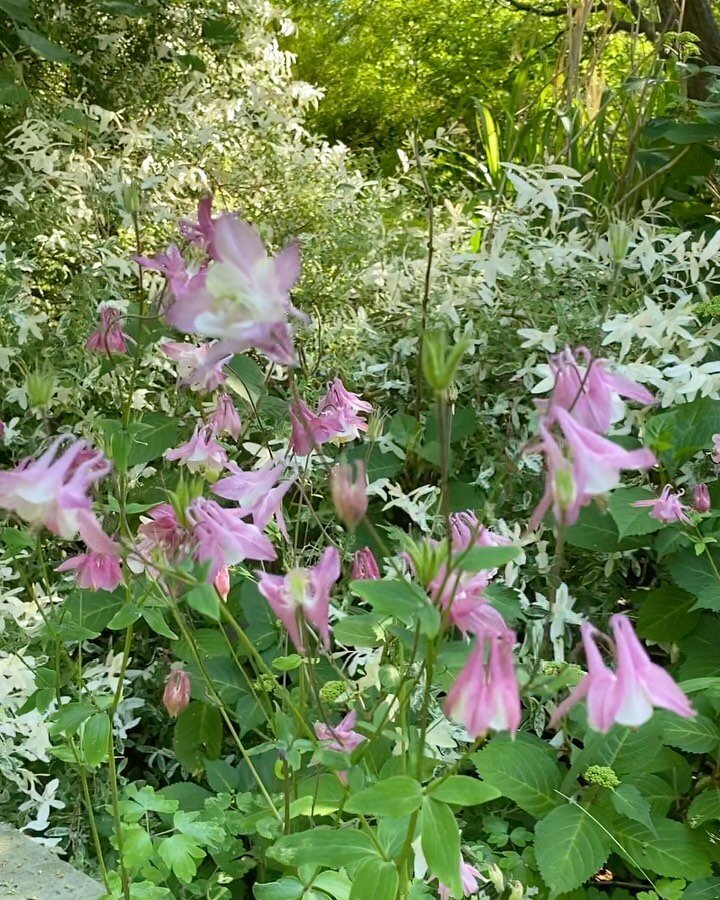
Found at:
[29, 871]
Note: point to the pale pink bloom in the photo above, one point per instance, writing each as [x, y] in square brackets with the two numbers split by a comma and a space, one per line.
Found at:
[715, 452]
[469, 878]
[701, 498]
[109, 336]
[485, 694]
[309, 430]
[176, 696]
[53, 490]
[201, 232]
[192, 365]
[365, 565]
[342, 737]
[259, 493]
[337, 419]
[303, 593]
[222, 583]
[667, 507]
[161, 528]
[172, 266]
[94, 571]
[201, 452]
[472, 614]
[466, 531]
[348, 488]
[627, 695]
[589, 391]
[221, 537]
[225, 418]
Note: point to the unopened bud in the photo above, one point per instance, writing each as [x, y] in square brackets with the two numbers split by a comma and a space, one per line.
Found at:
[177, 692]
[365, 565]
[332, 691]
[131, 197]
[517, 891]
[618, 240]
[701, 498]
[496, 877]
[349, 495]
[440, 361]
[603, 776]
[222, 583]
[40, 387]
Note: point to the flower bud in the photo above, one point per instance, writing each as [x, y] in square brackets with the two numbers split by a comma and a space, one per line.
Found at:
[333, 691]
[40, 388]
[517, 891]
[222, 583]
[701, 498]
[439, 361]
[177, 692]
[619, 240]
[603, 776]
[349, 496]
[131, 197]
[496, 877]
[365, 565]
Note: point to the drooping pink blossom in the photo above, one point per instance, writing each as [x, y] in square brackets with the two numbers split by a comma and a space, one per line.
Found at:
[485, 694]
[627, 695]
[222, 538]
[225, 418]
[109, 336]
[200, 233]
[666, 508]
[176, 696]
[193, 369]
[365, 565]
[259, 493]
[222, 583]
[337, 419]
[201, 453]
[303, 593]
[589, 391]
[309, 430]
[53, 489]
[701, 498]
[466, 531]
[342, 737]
[348, 488]
[94, 571]
[469, 878]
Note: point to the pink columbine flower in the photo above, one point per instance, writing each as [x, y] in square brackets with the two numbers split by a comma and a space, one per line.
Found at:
[337, 419]
[94, 571]
[469, 878]
[200, 233]
[309, 430]
[109, 336]
[193, 369]
[225, 418]
[221, 537]
[701, 498]
[666, 508]
[343, 738]
[201, 452]
[222, 583]
[588, 391]
[485, 694]
[627, 695]
[176, 696]
[53, 490]
[303, 593]
[365, 565]
[348, 488]
[259, 493]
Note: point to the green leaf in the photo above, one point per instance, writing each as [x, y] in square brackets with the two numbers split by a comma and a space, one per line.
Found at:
[481, 558]
[180, 854]
[440, 840]
[126, 615]
[68, 719]
[631, 519]
[401, 599]
[198, 735]
[696, 735]
[137, 846]
[11, 94]
[665, 613]
[95, 739]
[222, 777]
[461, 790]
[155, 620]
[705, 807]
[375, 878]
[522, 770]
[123, 8]
[287, 663]
[705, 889]
[654, 789]
[285, 889]
[323, 847]
[189, 796]
[359, 631]
[670, 848]
[152, 436]
[205, 600]
[45, 48]
[19, 10]
[677, 435]
[206, 834]
[570, 847]
[628, 801]
[696, 574]
[91, 610]
[594, 530]
[396, 796]
[620, 748]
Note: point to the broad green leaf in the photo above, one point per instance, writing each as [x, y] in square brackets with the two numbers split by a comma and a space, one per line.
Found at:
[620, 748]
[440, 839]
[481, 558]
[375, 878]
[155, 619]
[401, 599]
[628, 801]
[19, 10]
[181, 854]
[45, 48]
[697, 735]
[334, 883]
[285, 889]
[696, 574]
[153, 435]
[137, 846]
[68, 719]
[669, 849]
[705, 807]
[91, 610]
[189, 796]
[126, 615]
[377, 463]
[677, 435]
[359, 631]
[665, 613]
[204, 599]
[461, 790]
[631, 519]
[705, 889]
[594, 530]
[95, 738]
[198, 735]
[222, 777]
[700, 650]
[523, 771]
[332, 847]
[396, 796]
[392, 834]
[570, 847]
[654, 789]
[206, 834]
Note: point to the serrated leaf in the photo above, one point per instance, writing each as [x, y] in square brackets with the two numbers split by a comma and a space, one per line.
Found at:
[181, 854]
[670, 848]
[628, 801]
[375, 878]
[631, 519]
[440, 839]
[570, 847]
[697, 735]
[665, 613]
[222, 777]
[396, 796]
[594, 530]
[620, 748]
[461, 790]
[705, 807]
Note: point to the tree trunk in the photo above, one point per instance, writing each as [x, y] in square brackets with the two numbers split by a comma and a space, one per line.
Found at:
[699, 19]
